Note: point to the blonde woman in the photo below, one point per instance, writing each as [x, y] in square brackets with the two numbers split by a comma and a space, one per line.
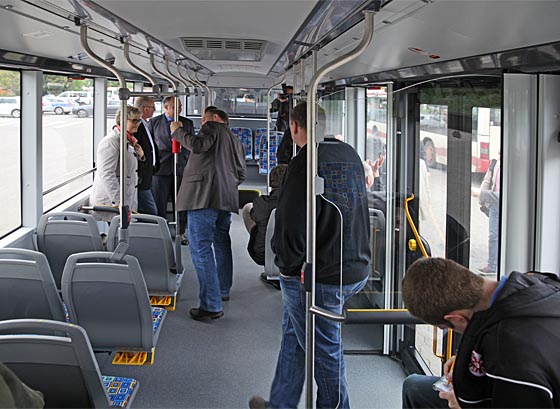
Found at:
[106, 186]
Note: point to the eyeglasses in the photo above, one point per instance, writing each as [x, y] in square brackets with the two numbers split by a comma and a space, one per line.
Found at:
[135, 121]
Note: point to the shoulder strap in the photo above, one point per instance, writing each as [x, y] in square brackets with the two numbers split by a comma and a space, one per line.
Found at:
[492, 166]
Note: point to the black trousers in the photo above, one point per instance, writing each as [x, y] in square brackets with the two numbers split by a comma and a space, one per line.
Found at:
[162, 188]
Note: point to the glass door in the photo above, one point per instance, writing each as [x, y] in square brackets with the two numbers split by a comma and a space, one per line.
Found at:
[455, 129]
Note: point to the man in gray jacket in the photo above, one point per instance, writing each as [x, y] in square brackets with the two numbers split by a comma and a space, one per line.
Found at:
[209, 194]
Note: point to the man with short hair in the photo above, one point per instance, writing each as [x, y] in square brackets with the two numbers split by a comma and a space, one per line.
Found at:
[343, 172]
[162, 184]
[147, 168]
[256, 215]
[209, 194]
[508, 356]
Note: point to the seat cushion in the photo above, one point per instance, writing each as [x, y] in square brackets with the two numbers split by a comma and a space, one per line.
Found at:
[119, 389]
[157, 317]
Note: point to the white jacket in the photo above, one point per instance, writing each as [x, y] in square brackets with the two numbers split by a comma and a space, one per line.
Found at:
[106, 185]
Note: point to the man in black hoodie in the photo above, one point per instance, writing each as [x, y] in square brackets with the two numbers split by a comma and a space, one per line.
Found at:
[508, 356]
[344, 198]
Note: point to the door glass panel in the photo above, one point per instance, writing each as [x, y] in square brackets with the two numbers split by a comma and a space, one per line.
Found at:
[458, 132]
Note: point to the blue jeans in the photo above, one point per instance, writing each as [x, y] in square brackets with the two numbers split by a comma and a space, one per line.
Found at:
[417, 392]
[146, 202]
[210, 247]
[330, 372]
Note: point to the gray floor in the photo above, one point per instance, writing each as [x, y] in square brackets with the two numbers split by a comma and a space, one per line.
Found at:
[222, 363]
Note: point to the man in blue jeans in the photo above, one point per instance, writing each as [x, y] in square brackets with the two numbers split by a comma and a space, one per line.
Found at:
[208, 192]
[342, 170]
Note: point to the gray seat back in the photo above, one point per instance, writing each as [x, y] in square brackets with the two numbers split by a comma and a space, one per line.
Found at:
[148, 236]
[63, 368]
[27, 288]
[62, 234]
[109, 300]
[270, 269]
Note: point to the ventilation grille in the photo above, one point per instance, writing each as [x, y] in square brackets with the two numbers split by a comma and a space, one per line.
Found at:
[224, 49]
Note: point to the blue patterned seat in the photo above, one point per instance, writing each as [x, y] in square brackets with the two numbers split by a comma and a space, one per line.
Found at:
[245, 135]
[275, 139]
[158, 313]
[119, 389]
[61, 365]
[259, 133]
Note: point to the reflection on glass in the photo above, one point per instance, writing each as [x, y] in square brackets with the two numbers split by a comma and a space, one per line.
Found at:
[10, 167]
[67, 137]
[335, 109]
[485, 202]
[239, 101]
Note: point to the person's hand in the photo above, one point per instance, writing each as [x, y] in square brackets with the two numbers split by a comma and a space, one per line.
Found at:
[475, 191]
[447, 369]
[450, 398]
[139, 151]
[375, 166]
[175, 125]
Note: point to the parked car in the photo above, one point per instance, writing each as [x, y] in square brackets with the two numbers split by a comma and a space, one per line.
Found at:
[57, 105]
[10, 106]
[79, 97]
[83, 111]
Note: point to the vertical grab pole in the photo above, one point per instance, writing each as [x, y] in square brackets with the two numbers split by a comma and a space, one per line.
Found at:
[206, 87]
[268, 132]
[123, 96]
[188, 83]
[174, 146]
[202, 91]
[311, 195]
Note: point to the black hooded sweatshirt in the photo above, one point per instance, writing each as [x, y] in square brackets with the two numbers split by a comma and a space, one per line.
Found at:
[509, 356]
[344, 176]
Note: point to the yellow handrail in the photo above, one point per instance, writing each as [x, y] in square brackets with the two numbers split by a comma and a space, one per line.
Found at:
[412, 226]
[425, 254]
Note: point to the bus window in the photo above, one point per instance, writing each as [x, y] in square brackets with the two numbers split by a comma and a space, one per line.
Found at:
[10, 183]
[67, 139]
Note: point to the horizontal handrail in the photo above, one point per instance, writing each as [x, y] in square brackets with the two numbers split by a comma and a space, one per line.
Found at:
[382, 317]
[67, 182]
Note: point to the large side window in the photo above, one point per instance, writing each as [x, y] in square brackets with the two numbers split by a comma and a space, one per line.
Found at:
[10, 166]
[67, 138]
[113, 102]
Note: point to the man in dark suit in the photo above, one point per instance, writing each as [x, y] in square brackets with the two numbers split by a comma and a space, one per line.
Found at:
[147, 168]
[209, 193]
[162, 183]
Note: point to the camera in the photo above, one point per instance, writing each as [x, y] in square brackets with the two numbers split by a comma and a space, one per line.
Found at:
[442, 385]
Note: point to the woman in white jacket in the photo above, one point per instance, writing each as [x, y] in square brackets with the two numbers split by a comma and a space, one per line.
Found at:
[106, 186]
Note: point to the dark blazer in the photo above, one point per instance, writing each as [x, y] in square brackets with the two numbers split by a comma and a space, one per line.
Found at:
[160, 133]
[214, 170]
[146, 168]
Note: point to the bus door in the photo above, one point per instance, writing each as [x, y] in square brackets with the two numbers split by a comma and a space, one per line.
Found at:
[451, 140]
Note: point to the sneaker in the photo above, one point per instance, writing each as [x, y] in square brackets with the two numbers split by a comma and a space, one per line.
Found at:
[202, 315]
[225, 297]
[487, 270]
[258, 402]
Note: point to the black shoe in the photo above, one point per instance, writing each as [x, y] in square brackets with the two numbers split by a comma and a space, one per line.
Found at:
[258, 402]
[202, 315]
[225, 297]
[184, 239]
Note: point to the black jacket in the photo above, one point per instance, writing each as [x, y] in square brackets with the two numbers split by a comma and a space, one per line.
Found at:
[509, 356]
[289, 241]
[160, 133]
[146, 168]
[262, 207]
